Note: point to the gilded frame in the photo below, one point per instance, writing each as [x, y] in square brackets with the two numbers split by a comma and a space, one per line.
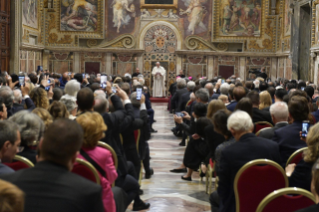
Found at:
[218, 38]
[39, 17]
[159, 6]
[98, 34]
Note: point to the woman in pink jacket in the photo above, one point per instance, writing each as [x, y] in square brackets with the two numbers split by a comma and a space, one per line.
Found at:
[94, 127]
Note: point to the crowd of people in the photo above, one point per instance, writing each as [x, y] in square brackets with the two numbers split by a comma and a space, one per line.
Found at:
[218, 117]
[52, 120]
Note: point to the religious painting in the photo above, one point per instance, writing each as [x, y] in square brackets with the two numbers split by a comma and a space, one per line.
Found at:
[79, 15]
[160, 39]
[121, 17]
[287, 19]
[30, 13]
[240, 18]
[196, 16]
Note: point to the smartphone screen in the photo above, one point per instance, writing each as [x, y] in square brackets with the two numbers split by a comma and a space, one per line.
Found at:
[180, 114]
[48, 87]
[305, 127]
[83, 75]
[69, 74]
[223, 81]
[138, 93]
[103, 81]
[302, 88]
[21, 80]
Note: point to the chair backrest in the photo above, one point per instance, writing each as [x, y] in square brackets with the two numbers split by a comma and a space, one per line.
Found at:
[260, 175]
[137, 136]
[296, 157]
[19, 163]
[86, 170]
[261, 124]
[286, 199]
[259, 131]
[108, 147]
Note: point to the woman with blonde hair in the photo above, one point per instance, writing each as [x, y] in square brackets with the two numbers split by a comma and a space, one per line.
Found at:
[11, 197]
[44, 115]
[265, 100]
[94, 127]
[40, 98]
[300, 174]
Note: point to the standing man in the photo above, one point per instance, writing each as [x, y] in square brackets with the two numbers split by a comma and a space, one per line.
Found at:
[263, 73]
[159, 75]
[136, 73]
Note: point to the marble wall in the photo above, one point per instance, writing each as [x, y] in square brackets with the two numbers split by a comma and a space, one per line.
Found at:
[30, 60]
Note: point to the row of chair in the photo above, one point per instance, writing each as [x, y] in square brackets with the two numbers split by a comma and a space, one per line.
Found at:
[262, 185]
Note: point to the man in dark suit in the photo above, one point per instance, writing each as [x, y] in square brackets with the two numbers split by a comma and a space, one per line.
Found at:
[288, 137]
[279, 116]
[176, 101]
[258, 115]
[247, 148]
[186, 96]
[21, 99]
[236, 94]
[70, 193]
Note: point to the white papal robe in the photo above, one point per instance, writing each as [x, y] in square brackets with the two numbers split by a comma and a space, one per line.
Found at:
[159, 81]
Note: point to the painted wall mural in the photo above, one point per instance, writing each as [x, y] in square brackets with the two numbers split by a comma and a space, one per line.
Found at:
[287, 19]
[195, 15]
[30, 13]
[240, 18]
[121, 16]
[79, 15]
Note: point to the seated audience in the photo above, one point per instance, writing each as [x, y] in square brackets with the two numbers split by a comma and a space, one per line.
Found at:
[245, 105]
[288, 137]
[7, 94]
[279, 94]
[45, 116]
[224, 99]
[58, 110]
[299, 175]
[9, 144]
[93, 128]
[57, 94]
[11, 198]
[279, 116]
[71, 106]
[258, 115]
[238, 93]
[246, 148]
[265, 100]
[57, 153]
[314, 188]
[31, 132]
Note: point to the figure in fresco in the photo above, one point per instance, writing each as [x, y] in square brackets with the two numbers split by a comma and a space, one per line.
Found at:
[122, 12]
[256, 16]
[245, 20]
[196, 13]
[78, 15]
[29, 13]
[234, 21]
[227, 16]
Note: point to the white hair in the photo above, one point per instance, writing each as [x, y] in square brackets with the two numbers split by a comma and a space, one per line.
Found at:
[240, 121]
[256, 83]
[72, 88]
[280, 111]
[191, 85]
[224, 88]
[100, 93]
[17, 96]
[158, 63]
[70, 104]
[141, 81]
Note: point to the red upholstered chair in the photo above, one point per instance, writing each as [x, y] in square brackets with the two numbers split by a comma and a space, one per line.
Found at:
[296, 157]
[86, 170]
[282, 200]
[255, 180]
[19, 163]
[137, 135]
[260, 125]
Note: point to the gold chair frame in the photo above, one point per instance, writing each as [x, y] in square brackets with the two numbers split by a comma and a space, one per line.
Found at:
[209, 178]
[254, 163]
[92, 169]
[264, 122]
[23, 160]
[293, 155]
[284, 191]
[257, 133]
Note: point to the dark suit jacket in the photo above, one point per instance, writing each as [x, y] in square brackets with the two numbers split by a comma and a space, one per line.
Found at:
[29, 153]
[301, 177]
[269, 133]
[176, 101]
[261, 115]
[184, 99]
[119, 120]
[214, 96]
[213, 139]
[288, 138]
[316, 115]
[313, 208]
[231, 106]
[249, 147]
[50, 187]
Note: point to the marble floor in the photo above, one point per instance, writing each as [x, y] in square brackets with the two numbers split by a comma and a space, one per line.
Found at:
[166, 191]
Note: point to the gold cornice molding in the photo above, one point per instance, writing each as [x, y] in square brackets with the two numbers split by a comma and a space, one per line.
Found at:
[124, 41]
[101, 50]
[197, 43]
[237, 54]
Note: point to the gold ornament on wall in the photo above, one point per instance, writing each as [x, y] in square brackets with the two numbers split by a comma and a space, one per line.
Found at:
[51, 22]
[123, 41]
[172, 66]
[147, 66]
[267, 43]
[197, 43]
[53, 39]
[91, 43]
